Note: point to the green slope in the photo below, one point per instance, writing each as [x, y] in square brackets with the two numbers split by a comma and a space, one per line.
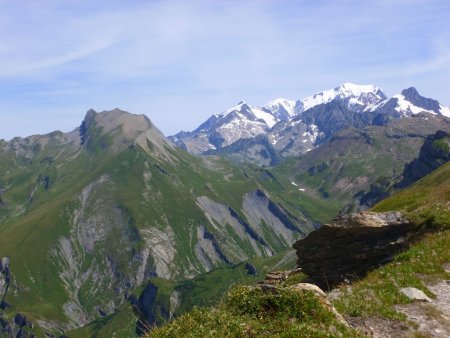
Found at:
[89, 216]
[246, 312]
[426, 203]
[356, 162]
[204, 290]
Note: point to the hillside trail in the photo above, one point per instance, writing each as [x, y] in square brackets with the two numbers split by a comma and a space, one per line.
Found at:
[426, 319]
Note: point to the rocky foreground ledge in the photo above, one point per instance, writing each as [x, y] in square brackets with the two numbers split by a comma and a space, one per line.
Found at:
[351, 245]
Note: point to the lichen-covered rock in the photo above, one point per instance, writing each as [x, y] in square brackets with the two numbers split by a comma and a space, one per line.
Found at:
[351, 245]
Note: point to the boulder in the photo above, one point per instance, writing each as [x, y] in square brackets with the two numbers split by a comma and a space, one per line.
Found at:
[415, 294]
[351, 245]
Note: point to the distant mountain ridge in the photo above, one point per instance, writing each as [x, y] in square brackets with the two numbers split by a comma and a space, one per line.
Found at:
[293, 127]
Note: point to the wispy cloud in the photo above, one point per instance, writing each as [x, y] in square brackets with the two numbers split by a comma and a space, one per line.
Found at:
[180, 61]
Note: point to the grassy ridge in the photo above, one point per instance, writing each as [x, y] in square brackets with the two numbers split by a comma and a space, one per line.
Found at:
[426, 203]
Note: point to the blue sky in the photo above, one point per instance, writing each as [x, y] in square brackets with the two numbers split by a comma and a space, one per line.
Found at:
[180, 61]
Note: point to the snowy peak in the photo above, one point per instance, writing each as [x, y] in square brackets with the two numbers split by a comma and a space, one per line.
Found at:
[293, 124]
[409, 102]
[353, 95]
[412, 95]
[252, 113]
[237, 107]
[283, 109]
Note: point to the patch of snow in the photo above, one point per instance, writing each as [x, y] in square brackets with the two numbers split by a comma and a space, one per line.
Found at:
[445, 111]
[258, 113]
[280, 103]
[240, 128]
[234, 108]
[269, 119]
[375, 106]
[404, 106]
[314, 132]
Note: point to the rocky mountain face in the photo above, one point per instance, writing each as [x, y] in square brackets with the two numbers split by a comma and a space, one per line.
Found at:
[87, 217]
[351, 245]
[239, 122]
[296, 127]
[434, 152]
[244, 121]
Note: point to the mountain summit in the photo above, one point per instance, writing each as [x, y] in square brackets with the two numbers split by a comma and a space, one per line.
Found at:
[292, 127]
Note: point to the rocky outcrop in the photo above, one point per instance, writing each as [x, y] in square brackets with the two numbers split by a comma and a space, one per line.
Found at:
[17, 326]
[351, 245]
[279, 277]
[5, 277]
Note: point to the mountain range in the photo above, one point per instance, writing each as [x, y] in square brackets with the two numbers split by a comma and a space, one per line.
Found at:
[113, 223]
[284, 128]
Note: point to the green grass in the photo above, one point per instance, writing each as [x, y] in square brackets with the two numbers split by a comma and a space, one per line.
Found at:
[208, 289]
[122, 324]
[247, 311]
[378, 292]
[426, 203]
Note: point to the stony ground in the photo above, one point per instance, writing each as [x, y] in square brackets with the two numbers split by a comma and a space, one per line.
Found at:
[426, 319]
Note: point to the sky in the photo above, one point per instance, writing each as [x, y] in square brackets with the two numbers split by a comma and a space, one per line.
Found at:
[179, 62]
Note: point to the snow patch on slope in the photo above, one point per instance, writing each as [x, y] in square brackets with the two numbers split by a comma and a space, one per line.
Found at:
[280, 105]
[404, 106]
[445, 111]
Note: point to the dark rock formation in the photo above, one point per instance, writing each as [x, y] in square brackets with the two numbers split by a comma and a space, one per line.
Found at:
[351, 245]
[434, 152]
[250, 269]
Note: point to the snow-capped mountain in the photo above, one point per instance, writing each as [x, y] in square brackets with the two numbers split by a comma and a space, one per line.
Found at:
[284, 109]
[241, 121]
[292, 127]
[244, 121]
[355, 97]
[409, 102]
